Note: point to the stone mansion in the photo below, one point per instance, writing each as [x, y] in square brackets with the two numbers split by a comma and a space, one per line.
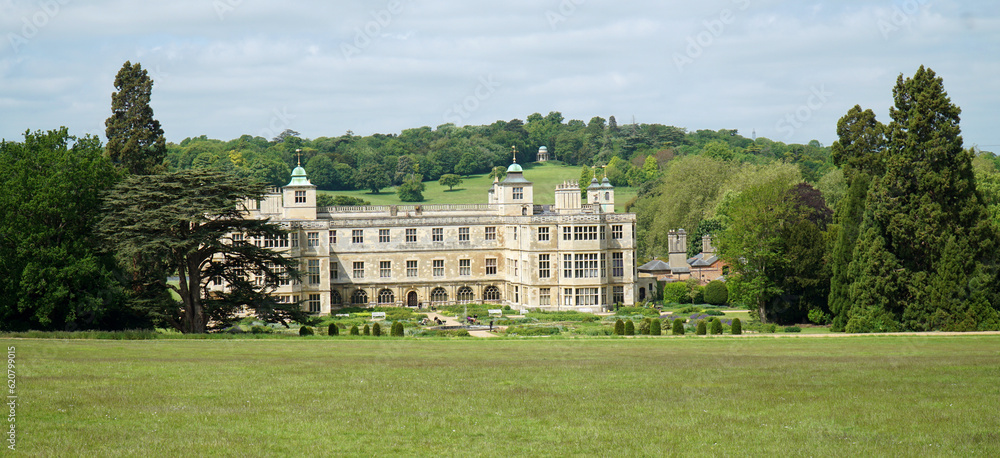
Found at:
[567, 256]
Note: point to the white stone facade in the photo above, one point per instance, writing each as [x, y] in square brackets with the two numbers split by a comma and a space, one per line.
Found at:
[568, 256]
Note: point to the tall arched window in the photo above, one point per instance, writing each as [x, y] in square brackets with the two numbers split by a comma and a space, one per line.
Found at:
[439, 295]
[491, 293]
[360, 297]
[335, 298]
[386, 297]
[465, 294]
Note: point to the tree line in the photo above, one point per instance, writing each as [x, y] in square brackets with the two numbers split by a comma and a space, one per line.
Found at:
[899, 233]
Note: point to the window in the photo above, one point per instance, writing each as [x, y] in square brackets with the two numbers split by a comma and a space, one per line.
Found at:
[411, 268]
[300, 197]
[515, 232]
[314, 303]
[359, 269]
[544, 296]
[603, 231]
[491, 293]
[312, 239]
[383, 236]
[585, 265]
[283, 279]
[543, 234]
[515, 267]
[333, 238]
[439, 295]
[279, 241]
[587, 296]
[543, 266]
[518, 193]
[491, 233]
[567, 233]
[437, 234]
[567, 266]
[313, 271]
[617, 264]
[360, 297]
[358, 236]
[439, 267]
[386, 297]
[616, 232]
[465, 267]
[568, 297]
[385, 269]
[491, 266]
[604, 265]
[334, 270]
[584, 232]
[618, 295]
[411, 235]
[335, 298]
[463, 234]
[517, 295]
[237, 239]
[295, 240]
[465, 294]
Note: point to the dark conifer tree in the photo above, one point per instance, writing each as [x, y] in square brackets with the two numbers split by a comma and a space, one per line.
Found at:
[135, 140]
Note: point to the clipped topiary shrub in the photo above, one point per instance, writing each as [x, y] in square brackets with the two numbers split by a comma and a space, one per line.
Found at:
[716, 293]
[737, 328]
[716, 326]
[619, 328]
[793, 329]
[368, 330]
[678, 327]
[376, 330]
[702, 328]
[655, 327]
[629, 328]
[334, 330]
[354, 330]
[397, 329]
[305, 331]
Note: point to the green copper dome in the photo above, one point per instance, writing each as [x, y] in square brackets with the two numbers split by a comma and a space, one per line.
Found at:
[299, 178]
[514, 168]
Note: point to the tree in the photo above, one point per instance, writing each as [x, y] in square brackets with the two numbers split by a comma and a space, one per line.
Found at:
[371, 175]
[655, 327]
[135, 140]
[629, 328]
[716, 293]
[450, 180]
[716, 326]
[737, 328]
[322, 173]
[926, 246]
[678, 329]
[191, 224]
[270, 170]
[54, 272]
[412, 189]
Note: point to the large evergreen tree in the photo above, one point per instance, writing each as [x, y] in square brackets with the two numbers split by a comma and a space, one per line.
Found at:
[183, 223]
[926, 250]
[135, 140]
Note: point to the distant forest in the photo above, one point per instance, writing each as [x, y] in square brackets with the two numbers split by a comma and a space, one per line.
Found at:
[344, 162]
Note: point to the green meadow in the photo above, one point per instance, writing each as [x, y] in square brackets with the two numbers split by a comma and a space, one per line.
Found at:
[545, 176]
[725, 396]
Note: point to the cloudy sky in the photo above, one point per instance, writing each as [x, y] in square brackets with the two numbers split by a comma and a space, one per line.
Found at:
[785, 69]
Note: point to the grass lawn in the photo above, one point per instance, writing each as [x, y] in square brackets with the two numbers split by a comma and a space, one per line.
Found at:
[545, 176]
[853, 396]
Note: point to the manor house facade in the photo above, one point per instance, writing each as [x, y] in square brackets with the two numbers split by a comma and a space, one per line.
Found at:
[567, 256]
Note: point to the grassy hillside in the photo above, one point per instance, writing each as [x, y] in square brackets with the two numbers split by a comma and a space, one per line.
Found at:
[545, 176]
[317, 396]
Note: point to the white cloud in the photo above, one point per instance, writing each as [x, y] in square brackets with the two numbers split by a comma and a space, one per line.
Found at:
[223, 67]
